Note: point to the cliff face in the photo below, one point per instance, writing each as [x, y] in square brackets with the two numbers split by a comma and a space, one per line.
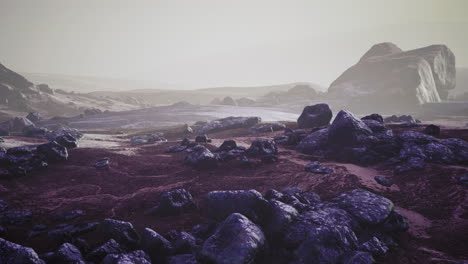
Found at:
[387, 76]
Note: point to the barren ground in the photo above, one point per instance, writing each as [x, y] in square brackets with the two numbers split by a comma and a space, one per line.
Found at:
[431, 199]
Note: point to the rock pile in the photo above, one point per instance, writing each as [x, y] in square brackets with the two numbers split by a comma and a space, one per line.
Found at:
[369, 141]
[244, 226]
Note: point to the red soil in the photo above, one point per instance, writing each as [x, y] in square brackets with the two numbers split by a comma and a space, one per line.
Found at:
[435, 205]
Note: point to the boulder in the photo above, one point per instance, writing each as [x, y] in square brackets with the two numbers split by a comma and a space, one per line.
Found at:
[439, 153]
[432, 130]
[317, 168]
[366, 207]
[374, 246]
[382, 180]
[228, 123]
[236, 241]
[250, 203]
[202, 158]
[414, 137]
[375, 126]
[314, 142]
[182, 242]
[155, 245]
[278, 217]
[134, 257]
[123, 232]
[315, 116]
[375, 117]
[66, 232]
[227, 145]
[459, 148]
[175, 202]
[346, 130]
[110, 247]
[67, 141]
[398, 79]
[12, 253]
[53, 151]
[68, 254]
[381, 49]
[202, 139]
[261, 147]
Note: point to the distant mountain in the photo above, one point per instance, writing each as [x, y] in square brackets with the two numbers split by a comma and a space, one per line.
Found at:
[18, 96]
[86, 84]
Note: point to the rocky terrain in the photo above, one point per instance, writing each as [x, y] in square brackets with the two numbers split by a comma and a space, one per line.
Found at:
[238, 190]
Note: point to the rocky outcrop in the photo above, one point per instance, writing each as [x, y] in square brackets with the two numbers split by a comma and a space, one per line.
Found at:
[387, 77]
[15, 254]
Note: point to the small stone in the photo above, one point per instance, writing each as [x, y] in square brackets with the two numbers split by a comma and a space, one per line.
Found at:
[382, 180]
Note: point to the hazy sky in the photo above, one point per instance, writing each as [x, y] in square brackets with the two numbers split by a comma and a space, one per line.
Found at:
[201, 43]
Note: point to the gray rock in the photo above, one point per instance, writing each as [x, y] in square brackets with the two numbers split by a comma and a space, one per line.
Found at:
[202, 158]
[228, 123]
[110, 247]
[459, 148]
[382, 180]
[374, 246]
[314, 142]
[12, 253]
[262, 147]
[267, 128]
[155, 245]
[374, 117]
[68, 254]
[366, 207]
[123, 232]
[175, 202]
[317, 168]
[236, 241]
[250, 203]
[346, 129]
[134, 257]
[278, 217]
[53, 152]
[315, 116]
[412, 164]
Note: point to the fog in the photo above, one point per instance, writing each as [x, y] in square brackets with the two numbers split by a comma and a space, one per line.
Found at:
[197, 44]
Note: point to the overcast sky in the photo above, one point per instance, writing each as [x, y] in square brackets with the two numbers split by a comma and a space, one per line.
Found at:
[206, 43]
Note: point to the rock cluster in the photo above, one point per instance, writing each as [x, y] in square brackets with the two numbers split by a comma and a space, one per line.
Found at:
[146, 139]
[369, 141]
[243, 226]
[20, 161]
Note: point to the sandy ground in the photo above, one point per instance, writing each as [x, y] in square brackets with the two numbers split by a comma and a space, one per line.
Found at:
[434, 204]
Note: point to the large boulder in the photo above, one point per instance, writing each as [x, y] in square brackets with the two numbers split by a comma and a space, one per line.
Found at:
[387, 78]
[155, 245]
[346, 129]
[236, 241]
[314, 142]
[315, 116]
[110, 247]
[250, 203]
[228, 123]
[12, 253]
[366, 207]
[68, 254]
